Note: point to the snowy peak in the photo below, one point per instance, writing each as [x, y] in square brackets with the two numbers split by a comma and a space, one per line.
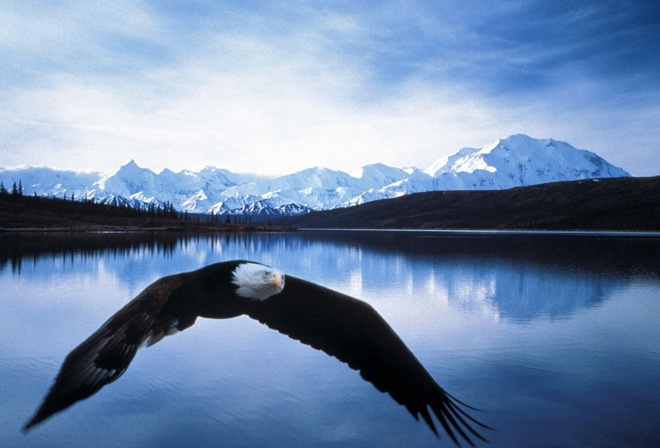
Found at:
[444, 164]
[131, 167]
[525, 161]
[517, 160]
[380, 174]
[51, 182]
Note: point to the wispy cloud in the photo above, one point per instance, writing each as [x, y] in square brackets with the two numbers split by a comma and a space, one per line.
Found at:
[276, 88]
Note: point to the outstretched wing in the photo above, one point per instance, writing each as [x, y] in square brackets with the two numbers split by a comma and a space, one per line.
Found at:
[107, 353]
[353, 332]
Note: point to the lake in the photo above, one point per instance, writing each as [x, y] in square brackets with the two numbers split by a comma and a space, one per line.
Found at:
[553, 336]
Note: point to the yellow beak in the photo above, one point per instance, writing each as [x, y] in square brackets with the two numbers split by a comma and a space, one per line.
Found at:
[277, 279]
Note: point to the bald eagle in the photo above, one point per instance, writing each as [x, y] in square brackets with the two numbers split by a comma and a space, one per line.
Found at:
[339, 325]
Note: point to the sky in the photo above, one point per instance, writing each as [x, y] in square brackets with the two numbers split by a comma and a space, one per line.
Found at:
[276, 87]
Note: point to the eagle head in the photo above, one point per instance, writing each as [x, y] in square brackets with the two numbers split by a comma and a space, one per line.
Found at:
[257, 281]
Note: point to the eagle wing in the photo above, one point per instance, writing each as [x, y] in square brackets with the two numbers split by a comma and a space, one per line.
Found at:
[106, 354]
[353, 332]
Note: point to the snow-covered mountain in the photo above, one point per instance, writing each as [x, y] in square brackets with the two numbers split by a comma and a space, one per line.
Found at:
[514, 161]
[518, 160]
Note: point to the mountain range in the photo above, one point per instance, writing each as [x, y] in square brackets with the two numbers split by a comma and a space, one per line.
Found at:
[514, 161]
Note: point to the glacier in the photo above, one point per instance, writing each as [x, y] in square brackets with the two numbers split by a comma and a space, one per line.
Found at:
[517, 160]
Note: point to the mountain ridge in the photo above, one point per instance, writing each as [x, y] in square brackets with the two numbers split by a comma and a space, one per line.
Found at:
[614, 204]
[517, 160]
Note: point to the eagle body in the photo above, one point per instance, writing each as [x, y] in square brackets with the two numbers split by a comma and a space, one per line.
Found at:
[339, 325]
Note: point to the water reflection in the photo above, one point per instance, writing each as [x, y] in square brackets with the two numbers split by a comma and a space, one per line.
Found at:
[518, 277]
[551, 332]
[69, 247]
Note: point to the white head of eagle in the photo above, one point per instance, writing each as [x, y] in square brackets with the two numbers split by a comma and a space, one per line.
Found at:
[256, 281]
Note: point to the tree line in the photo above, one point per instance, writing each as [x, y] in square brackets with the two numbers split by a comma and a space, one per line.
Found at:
[85, 206]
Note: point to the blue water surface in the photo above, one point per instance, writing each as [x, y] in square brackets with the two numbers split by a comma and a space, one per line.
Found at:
[553, 336]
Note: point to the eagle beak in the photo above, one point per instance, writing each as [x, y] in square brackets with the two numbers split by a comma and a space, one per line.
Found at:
[277, 280]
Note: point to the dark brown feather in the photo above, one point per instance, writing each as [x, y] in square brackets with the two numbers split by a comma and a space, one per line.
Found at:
[341, 326]
[104, 356]
[353, 332]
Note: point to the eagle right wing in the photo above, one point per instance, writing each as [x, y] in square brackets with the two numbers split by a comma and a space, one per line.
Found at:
[106, 354]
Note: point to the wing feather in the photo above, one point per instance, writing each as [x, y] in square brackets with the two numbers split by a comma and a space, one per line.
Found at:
[353, 332]
[341, 326]
[105, 355]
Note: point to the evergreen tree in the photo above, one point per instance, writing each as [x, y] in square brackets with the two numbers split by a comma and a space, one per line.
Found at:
[14, 189]
[3, 189]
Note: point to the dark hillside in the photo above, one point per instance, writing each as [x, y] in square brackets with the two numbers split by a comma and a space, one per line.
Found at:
[31, 213]
[604, 204]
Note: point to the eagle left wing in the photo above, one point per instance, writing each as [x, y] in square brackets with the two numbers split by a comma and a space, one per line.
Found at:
[353, 332]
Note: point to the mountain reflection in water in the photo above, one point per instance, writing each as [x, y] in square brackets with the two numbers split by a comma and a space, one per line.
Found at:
[511, 276]
[553, 336]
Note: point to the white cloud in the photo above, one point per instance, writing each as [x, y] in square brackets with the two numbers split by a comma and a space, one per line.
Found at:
[280, 90]
[266, 118]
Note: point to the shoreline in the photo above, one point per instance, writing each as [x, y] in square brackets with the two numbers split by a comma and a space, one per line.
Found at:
[137, 229]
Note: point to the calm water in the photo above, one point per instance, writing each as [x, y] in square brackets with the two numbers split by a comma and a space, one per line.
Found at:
[555, 337]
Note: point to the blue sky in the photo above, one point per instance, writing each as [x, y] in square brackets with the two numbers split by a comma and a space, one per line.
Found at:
[275, 87]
